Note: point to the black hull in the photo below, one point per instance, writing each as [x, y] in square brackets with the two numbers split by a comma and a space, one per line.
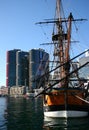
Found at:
[68, 108]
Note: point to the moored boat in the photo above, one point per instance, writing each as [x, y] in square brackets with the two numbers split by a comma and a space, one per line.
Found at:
[65, 103]
[61, 97]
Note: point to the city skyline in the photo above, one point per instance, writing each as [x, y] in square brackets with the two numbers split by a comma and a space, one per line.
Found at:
[24, 68]
[17, 68]
[18, 29]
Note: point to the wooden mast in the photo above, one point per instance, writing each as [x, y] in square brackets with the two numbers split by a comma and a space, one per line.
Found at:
[68, 37]
[67, 50]
[60, 39]
[64, 44]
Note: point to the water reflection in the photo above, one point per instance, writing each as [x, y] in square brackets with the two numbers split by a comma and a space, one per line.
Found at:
[24, 114]
[3, 121]
[66, 124]
[27, 114]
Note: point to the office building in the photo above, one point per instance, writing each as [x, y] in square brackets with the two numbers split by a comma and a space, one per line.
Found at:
[22, 73]
[16, 68]
[11, 67]
[26, 68]
[38, 65]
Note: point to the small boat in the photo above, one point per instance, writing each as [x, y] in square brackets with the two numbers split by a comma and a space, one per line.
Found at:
[29, 94]
[37, 91]
[64, 94]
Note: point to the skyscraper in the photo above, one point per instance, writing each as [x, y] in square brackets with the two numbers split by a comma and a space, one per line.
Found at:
[22, 73]
[16, 68]
[38, 65]
[11, 67]
[23, 67]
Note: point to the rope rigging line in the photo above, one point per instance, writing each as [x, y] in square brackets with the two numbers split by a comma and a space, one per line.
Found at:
[61, 79]
[81, 98]
[65, 63]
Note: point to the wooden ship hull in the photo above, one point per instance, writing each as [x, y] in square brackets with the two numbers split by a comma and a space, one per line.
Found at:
[65, 103]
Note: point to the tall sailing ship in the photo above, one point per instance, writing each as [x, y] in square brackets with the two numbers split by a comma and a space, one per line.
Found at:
[61, 96]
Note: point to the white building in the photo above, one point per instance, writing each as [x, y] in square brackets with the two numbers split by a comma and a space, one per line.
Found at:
[84, 72]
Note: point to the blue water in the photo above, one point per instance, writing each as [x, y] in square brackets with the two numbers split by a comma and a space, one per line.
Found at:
[27, 114]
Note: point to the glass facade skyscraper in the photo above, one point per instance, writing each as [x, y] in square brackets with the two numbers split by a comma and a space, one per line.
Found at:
[16, 68]
[23, 67]
[11, 68]
[22, 74]
[38, 65]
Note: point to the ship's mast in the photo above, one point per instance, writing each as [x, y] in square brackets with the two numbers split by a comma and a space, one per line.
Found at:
[60, 38]
[67, 50]
[64, 39]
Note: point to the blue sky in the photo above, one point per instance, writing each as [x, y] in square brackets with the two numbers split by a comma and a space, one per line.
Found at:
[18, 29]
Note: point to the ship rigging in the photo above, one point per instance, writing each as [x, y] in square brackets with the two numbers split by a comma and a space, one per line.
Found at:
[61, 98]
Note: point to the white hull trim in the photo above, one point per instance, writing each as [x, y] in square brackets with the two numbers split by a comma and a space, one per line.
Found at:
[66, 114]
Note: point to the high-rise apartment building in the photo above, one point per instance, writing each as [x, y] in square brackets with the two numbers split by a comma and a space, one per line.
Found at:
[22, 73]
[24, 67]
[11, 67]
[16, 68]
[38, 65]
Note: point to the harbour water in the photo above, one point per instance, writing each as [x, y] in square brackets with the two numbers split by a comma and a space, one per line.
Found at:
[27, 114]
